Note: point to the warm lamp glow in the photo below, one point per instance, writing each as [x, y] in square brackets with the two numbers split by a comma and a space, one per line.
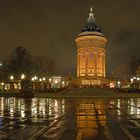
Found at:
[11, 77]
[23, 76]
[2, 83]
[50, 80]
[131, 80]
[35, 78]
[43, 78]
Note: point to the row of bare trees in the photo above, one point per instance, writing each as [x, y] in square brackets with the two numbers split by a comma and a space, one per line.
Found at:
[127, 70]
[21, 61]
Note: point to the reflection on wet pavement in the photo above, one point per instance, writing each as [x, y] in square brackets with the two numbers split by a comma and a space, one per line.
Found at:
[69, 119]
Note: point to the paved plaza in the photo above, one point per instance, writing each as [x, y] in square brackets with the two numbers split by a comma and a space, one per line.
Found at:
[69, 119]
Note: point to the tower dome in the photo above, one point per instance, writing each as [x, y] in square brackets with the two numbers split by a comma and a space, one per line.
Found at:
[91, 44]
[91, 26]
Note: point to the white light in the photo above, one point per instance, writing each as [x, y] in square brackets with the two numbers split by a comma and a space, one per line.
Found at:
[0, 64]
[138, 78]
[11, 77]
[33, 78]
[50, 79]
[2, 83]
[23, 76]
[134, 77]
[63, 82]
[119, 82]
[131, 80]
[44, 78]
[22, 113]
[55, 103]
[56, 81]
[40, 79]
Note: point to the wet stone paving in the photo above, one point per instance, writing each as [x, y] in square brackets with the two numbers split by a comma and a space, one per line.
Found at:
[69, 119]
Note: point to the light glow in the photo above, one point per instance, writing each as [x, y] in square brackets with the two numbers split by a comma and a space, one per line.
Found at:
[11, 77]
[35, 77]
[2, 83]
[23, 76]
[50, 79]
[131, 80]
[43, 78]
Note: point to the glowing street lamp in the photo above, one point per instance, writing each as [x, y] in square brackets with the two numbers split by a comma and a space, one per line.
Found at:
[134, 77]
[40, 79]
[138, 78]
[2, 86]
[11, 77]
[50, 79]
[2, 71]
[131, 80]
[43, 78]
[23, 76]
[119, 84]
[56, 81]
[35, 78]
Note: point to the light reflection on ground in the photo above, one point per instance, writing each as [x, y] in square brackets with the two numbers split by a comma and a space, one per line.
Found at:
[69, 119]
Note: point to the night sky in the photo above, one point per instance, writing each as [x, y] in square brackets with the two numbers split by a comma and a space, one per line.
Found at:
[49, 28]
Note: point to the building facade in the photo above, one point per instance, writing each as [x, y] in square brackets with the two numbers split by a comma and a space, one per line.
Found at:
[91, 44]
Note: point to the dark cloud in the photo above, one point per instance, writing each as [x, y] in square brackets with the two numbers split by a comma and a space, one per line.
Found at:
[49, 28]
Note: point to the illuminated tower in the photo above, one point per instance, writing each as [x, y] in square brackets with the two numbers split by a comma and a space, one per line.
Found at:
[91, 44]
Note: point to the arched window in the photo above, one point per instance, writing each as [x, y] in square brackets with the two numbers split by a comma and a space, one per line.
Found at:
[91, 55]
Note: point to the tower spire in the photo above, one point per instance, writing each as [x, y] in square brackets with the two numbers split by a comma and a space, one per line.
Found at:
[91, 9]
[91, 15]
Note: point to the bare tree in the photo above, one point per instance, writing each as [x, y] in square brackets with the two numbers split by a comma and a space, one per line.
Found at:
[22, 62]
[43, 66]
[19, 62]
[122, 72]
[138, 71]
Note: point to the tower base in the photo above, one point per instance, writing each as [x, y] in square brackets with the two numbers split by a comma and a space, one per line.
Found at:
[93, 81]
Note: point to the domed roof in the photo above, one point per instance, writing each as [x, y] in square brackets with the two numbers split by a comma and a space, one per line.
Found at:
[88, 33]
[91, 27]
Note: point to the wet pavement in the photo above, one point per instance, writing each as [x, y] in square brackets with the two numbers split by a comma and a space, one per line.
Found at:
[69, 119]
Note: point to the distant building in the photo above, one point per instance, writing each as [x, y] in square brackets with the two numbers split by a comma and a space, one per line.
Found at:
[57, 82]
[91, 44]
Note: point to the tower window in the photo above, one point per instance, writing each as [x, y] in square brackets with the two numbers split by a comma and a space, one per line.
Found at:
[90, 55]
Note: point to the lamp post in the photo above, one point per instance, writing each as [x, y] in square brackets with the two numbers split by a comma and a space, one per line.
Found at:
[1, 72]
[22, 76]
[2, 84]
[11, 77]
